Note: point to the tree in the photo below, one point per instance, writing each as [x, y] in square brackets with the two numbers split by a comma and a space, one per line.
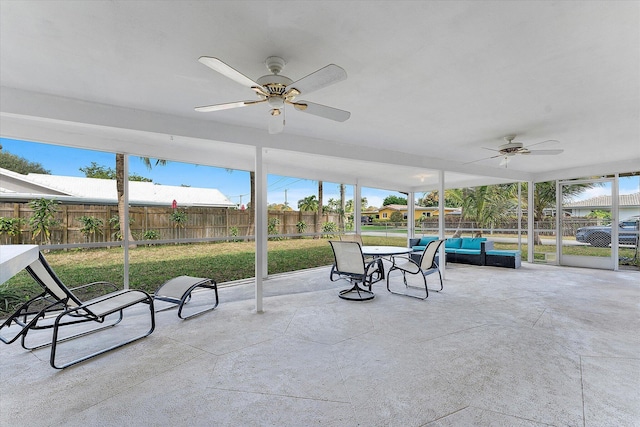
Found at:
[483, 204]
[396, 217]
[20, 164]
[95, 170]
[431, 199]
[120, 186]
[394, 200]
[102, 172]
[308, 204]
[544, 196]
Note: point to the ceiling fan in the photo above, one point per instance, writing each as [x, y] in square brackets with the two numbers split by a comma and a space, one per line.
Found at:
[277, 90]
[512, 148]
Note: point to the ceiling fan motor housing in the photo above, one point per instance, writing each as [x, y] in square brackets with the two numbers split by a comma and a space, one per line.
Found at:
[510, 148]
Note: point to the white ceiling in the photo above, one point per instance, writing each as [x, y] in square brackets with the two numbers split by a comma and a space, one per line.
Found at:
[429, 84]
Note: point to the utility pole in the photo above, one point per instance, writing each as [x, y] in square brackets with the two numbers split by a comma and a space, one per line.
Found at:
[285, 197]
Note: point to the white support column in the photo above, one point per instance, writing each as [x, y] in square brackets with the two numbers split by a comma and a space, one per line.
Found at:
[441, 223]
[357, 208]
[558, 223]
[260, 227]
[530, 222]
[615, 210]
[519, 216]
[125, 227]
[411, 215]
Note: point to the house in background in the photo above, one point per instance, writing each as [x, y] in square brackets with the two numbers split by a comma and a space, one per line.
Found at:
[15, 187]
[385, 212]
[629, 206]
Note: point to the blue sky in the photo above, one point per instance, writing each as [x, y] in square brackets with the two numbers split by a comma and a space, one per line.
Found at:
[235, 185]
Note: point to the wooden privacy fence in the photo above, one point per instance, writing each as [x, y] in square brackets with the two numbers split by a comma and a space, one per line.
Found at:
[201, 222]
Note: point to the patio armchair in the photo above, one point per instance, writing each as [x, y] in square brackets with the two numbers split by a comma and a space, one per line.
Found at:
[379, 273]
[426, 266]
[58, 310]
[350, 265]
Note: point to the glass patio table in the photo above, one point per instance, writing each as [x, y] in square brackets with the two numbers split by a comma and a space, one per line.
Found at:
[13, 258]
[380, 252]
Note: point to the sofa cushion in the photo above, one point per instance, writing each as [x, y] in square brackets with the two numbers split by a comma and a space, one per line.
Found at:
[472, 243]
[424, 241]
[503, 253]
[467, 251]
[418, 248]
[453, 243]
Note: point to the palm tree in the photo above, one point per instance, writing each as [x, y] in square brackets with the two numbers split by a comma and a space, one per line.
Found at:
[484, 204]
[120, 186]
[544, 196]
[308, 204]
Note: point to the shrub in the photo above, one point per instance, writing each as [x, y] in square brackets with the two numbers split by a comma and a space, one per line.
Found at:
[43, 218]
[330, 227]
[151, 235]
[272, 228]
[114, 222]
[234, 231]
[91, 226]
[10, 227]
[301, 226]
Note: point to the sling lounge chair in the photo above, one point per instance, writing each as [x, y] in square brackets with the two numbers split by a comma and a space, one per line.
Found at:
[58, 310]
[427, 265]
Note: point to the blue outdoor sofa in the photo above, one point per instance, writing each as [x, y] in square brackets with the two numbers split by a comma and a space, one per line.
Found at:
[469, 250]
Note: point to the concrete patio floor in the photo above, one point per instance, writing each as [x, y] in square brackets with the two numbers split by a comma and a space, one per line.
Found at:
[537, 346]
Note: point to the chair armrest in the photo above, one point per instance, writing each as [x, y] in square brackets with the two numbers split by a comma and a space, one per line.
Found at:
[413, 242]
[486, 246]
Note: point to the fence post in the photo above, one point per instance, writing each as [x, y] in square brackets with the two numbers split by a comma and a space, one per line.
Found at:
[65, 224]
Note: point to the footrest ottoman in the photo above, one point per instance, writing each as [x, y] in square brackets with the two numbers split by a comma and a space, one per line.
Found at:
[497, 258]
[178, 291]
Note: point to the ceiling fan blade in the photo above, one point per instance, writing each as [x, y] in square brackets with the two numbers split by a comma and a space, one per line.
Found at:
[227, 106]
[542, 142]
[317, 80]
[542, 152]
[486, 158]
[276, 123]
[322, 111]
[227, 71]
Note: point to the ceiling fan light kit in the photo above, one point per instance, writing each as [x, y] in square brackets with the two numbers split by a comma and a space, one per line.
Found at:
[277, 90]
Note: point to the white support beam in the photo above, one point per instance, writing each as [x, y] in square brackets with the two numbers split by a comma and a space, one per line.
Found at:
[126, 225]
[411, 215]
[530, 221]
[615, 210]
[357, 208]
[260, 227]
[441, 222]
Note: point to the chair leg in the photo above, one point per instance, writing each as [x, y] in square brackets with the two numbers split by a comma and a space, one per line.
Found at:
[406, 284]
